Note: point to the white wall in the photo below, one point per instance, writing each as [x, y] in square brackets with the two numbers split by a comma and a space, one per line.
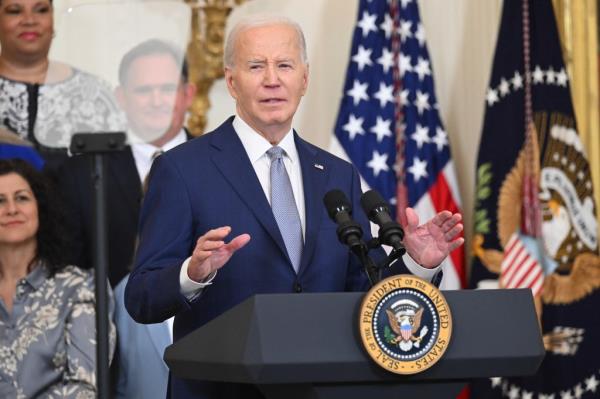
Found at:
[461, 36]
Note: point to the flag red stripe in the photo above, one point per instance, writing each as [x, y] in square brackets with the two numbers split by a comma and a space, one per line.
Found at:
[536, 277]
[512, 260]
[519, 269]
[442, 199]
[530, 270]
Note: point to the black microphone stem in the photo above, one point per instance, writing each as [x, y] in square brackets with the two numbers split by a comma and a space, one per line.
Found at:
[373, 272]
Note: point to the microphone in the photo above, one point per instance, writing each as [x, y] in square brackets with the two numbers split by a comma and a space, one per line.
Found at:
[349, 231]
[377, 210]
[340, 211]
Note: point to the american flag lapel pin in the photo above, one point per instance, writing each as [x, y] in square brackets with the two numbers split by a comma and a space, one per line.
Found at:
[319, 166]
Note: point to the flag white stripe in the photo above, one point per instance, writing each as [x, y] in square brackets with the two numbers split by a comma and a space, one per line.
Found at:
[450, 176]
[514, 260]
[527, 269]
[533, 276]
[512, 249]
[521, 270]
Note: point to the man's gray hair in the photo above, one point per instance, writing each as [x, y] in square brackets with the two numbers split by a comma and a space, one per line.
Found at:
[257, 21]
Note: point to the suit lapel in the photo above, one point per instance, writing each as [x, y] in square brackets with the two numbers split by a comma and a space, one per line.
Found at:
[314, 177]
[232, 160]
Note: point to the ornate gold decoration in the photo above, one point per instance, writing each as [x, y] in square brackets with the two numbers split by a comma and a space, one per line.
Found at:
[577, 22]
[490, 258]
[583, 279]
[205, 54]
[580, 275]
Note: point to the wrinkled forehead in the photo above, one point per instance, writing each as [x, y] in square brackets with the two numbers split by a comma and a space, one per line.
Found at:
[157, 68]
[275, 40]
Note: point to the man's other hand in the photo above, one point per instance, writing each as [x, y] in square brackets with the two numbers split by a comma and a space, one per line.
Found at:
[211, 252]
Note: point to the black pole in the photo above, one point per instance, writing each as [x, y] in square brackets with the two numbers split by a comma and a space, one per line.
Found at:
[97, 145]
[100, 262]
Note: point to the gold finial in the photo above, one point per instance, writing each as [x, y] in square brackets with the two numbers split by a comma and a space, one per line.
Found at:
[205, 54]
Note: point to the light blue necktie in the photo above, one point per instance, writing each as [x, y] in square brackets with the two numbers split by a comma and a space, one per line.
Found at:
[284, 207]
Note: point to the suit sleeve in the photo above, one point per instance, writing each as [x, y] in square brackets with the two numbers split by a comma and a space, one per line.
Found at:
[153, 291]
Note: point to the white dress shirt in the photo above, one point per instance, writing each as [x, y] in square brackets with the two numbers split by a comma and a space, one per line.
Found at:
[143, 152]
[256, 147]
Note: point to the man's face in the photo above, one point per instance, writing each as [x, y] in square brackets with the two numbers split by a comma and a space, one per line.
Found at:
[154, 98]
[268, 78]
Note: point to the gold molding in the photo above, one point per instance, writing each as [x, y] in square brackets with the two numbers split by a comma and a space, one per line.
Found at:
[205, 54]
[577, 22]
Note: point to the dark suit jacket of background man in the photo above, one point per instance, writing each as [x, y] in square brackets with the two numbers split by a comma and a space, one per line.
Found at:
[123, 199]
[207, 183]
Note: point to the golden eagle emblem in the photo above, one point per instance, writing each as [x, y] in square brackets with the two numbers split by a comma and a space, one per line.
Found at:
[404, 318]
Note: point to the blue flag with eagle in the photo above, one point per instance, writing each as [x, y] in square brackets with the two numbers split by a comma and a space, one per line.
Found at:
[535, 217]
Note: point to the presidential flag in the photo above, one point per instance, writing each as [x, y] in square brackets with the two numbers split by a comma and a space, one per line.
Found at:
[389, 126]
[534, 204]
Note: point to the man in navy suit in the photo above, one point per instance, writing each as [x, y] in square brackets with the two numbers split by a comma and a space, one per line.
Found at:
[220, 186]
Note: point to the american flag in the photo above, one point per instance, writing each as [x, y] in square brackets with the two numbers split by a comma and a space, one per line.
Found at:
[388, 125]
[520, 266]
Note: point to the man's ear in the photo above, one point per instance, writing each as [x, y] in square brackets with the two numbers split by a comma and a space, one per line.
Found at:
[189, 92]
[230, 82]
[305, 78]
[120, 96]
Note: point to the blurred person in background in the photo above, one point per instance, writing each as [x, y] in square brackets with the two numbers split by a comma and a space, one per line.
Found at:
[43, 101]
[155, 94]
[47, 316]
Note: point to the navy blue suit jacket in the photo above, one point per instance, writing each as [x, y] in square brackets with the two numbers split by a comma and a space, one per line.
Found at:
[207, 183]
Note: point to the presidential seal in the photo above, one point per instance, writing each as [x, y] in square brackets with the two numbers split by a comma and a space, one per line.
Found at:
[405, 324]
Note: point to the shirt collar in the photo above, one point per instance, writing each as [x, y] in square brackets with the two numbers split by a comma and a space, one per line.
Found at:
[147, 149]
[37, 276]
[256, 145]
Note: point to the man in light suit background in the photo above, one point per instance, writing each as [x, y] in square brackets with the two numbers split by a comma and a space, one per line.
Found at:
[155, 94]
[253, 179]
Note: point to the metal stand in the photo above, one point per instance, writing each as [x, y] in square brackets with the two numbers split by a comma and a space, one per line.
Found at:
[97, 145]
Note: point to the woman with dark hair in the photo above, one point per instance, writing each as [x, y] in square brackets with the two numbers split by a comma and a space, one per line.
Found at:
[47, 316]
[43, 101]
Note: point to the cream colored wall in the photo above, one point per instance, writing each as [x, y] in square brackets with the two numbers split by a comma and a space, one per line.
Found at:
[94, 35]
[461, 36]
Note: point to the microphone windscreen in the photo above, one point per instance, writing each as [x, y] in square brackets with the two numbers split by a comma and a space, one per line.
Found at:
[372, 199]
[334, 200]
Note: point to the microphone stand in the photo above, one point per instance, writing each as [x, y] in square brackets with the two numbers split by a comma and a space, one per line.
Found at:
[397, 251]
[97, 145]
[373, 271]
